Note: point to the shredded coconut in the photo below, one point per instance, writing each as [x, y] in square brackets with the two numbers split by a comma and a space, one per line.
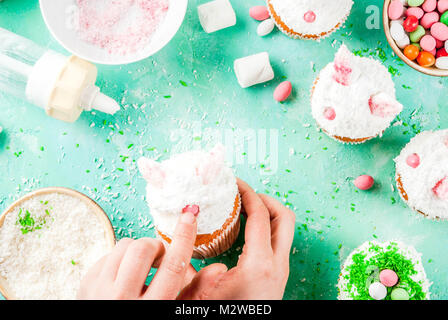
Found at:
[420, 183]
[193, 178]
[328, 14]
[360, 91]
[120, 26]
[46, 258]
[408, 252]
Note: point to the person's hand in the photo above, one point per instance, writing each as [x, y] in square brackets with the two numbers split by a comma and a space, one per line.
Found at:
[263, 267]
[122, 273]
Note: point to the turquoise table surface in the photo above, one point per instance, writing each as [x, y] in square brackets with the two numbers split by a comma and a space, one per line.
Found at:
[187, 96]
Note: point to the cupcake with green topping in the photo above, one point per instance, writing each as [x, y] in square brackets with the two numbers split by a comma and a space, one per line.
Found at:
[383, 271]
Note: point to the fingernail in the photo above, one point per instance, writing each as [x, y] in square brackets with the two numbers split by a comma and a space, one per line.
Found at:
[188, 217]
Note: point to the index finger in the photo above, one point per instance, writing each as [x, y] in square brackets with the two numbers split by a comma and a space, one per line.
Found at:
[258, 226]
[169, 279]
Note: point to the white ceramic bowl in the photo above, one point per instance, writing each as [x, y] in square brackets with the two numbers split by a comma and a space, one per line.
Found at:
[56, 15]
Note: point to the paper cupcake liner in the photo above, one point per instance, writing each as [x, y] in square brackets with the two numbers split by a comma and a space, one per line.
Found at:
[296, 35]
[343, 140]
[212, 245]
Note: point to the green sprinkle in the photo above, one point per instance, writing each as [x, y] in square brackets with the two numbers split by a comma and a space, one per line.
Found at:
[183, 83]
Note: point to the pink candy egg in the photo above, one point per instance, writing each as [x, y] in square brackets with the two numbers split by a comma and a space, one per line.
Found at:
[429, 19]
[413, 160]
[428, 43]
[415, 11]
[309, 17]
[283, 91]
[439, 31]
[395, 9]
[439, 44]
[429, 5]
[259, 13]
[329, 114]
[364, 182]
[442, 6]
[388, 278]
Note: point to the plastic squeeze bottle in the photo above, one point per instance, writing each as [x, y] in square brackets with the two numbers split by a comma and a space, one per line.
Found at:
[63, 86]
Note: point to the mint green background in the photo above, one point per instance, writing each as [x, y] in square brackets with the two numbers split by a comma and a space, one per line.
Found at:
[332, 217]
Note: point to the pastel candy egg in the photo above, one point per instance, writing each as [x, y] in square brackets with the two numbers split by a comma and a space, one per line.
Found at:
[415, 3]
[442, 6]
[395, 10]
[283, 91]
[429, 19]
[397, 31]
[442, 63]
[265, 27]
[444, 18]
[399, 294]
[403, 42]
[364, 182]
[377, 291]
[428, 43]
[259, 13]
[417, 34]
[410, 24]
[329, 114]
[429, 5]
[411, 52]
[413, 160]
[446, 45]
[309, 17]
[439, 31]
[415, 11]
[388, 278]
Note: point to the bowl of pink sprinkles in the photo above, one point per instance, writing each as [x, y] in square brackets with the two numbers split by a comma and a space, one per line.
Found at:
[113, 31]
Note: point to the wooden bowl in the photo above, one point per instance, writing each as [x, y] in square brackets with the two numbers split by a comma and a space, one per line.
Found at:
[96, 209]
[432, 71]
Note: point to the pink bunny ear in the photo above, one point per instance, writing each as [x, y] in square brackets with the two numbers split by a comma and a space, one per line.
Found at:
[441, 189]
[212, 165]
[151, 171]
[382, 105]
[342, 66]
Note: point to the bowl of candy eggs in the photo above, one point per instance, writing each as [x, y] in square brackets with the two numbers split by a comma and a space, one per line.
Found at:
[417, 31]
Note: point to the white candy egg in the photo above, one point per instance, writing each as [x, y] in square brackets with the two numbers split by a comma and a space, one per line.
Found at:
[446, 45]
[377, 291]
[442, 63]
[402, 43]
[397, 31]
[265, 27]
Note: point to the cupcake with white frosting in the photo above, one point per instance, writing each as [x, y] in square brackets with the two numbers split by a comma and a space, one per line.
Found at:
[390, 270]
[199, 182]
[309, 19]
[353, 98]
[422, 174]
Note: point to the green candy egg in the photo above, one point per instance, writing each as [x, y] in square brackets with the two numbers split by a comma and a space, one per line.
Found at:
[415, 3]
[417, 34]
[417, 45]
[399, 294]
[444, 18]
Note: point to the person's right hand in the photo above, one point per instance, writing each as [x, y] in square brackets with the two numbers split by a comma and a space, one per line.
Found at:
[263, 267]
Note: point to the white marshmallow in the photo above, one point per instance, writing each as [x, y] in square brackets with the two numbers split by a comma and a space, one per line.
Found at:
[253, 69]
[216, 15]
[265, 27]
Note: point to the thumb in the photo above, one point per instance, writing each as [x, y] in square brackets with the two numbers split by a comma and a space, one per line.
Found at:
[205, 280]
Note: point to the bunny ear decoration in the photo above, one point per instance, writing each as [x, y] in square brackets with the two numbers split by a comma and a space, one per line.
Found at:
[342, 66]
[212, 165]
[382, 105]
[151, 171]
[441, 189]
